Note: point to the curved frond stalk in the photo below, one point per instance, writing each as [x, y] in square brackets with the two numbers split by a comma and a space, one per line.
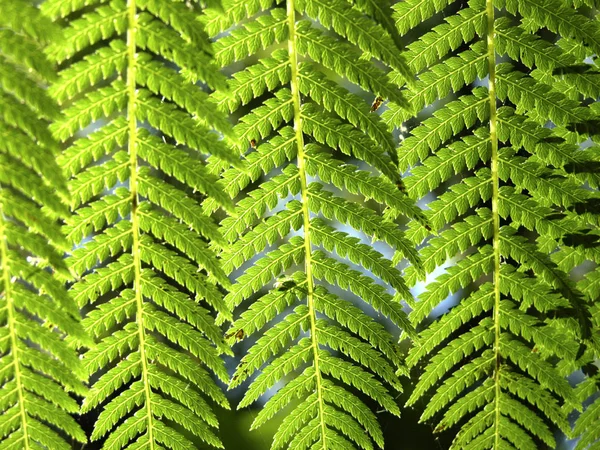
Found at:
[138, 127]
[305, 134]
[40, 372]
[512, 197]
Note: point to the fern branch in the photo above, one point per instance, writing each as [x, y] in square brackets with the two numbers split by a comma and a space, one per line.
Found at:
[522, 179]
[144, 274]
[41, 373]
[306, 132]
[133, 188]
[495, 212]
[298, 121]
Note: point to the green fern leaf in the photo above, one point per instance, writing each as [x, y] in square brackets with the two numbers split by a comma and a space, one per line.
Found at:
[136, 184]
[308, 135]
[41, 372]
[506, 186]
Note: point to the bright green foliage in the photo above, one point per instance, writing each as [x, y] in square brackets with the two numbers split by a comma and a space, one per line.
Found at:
[144, 272]
[504, 119]
[39, 372]
[510, 193]
[586, 427]
[305, 133]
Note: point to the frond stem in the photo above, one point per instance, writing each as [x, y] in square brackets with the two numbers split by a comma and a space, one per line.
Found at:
[293, 54]
[133, 165]
[11, 329]
[491, 54]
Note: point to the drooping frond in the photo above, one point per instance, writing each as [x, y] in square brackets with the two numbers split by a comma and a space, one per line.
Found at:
[39, 371]
[502, 153]
[138, 128]
[295, 234]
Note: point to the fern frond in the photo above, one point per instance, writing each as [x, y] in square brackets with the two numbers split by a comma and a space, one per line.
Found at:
[507, 184]
[41, 372]
[309, 139]
[136, 184]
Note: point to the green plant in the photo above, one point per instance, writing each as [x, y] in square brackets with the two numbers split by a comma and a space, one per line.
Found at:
[143, 275]
[38, 370]
[490, 364]
[320, 244]
[306, 133]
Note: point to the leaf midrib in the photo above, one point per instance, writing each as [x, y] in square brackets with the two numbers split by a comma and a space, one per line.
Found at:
[295, 88]
[135, 247]
[494, 166]
[11, 329]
